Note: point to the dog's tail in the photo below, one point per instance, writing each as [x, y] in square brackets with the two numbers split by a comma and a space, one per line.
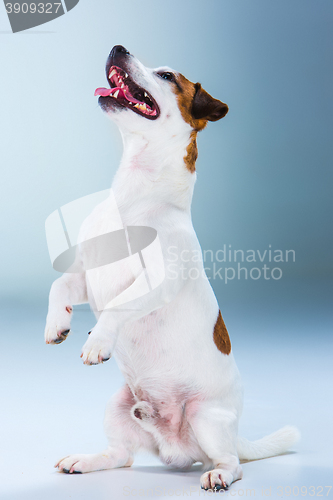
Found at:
[276, 443]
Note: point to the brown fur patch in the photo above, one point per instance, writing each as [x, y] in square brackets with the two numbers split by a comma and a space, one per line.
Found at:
[221, 336]
[185, 91]
[193, 101]
[191, 153]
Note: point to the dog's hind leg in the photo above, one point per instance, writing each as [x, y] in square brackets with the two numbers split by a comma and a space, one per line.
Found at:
[111, 458]
[215, 429]
[125, 437]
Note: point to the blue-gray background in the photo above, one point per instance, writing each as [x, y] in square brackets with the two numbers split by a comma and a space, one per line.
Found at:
[264, 178]
[264, 172]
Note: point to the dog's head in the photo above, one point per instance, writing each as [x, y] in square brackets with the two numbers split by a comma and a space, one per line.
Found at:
[143, 99]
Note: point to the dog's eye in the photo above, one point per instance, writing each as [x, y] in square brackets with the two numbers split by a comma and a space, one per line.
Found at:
[167, 76]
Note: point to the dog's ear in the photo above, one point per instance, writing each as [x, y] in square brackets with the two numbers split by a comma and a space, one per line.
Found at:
[204, 106]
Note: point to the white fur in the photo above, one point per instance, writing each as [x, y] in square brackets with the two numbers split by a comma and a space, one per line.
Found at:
[189, 394]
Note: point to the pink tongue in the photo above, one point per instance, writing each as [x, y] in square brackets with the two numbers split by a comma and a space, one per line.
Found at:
[106, 92]
[103, 92]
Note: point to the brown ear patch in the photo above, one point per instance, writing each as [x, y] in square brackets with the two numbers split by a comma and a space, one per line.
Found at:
[196, 105]
[206, 107]
[185, 91]
[221, 336]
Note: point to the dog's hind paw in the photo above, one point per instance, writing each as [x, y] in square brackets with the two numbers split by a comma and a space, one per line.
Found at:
[220, 479]
[79, 464]
[216, 479]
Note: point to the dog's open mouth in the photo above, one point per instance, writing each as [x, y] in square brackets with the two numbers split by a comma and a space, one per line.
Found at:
[127, 93]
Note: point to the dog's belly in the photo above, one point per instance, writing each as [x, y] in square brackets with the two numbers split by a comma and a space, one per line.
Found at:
[166, 418]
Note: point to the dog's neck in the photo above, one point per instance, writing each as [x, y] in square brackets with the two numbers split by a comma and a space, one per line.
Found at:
[153, 173]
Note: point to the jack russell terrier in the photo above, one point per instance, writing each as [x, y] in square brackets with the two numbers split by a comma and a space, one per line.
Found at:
[183, 395]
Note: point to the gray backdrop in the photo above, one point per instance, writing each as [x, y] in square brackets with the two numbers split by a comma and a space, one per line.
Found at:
[264, 172]
[264, 178]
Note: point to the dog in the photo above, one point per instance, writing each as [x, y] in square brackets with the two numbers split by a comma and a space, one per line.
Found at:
[183, 394]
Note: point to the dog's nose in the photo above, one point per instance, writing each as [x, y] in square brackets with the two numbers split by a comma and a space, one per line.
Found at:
[119, 49]
[117, 57]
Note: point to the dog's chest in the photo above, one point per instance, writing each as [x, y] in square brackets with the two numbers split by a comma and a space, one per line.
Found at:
[144, 349]
[147, 356]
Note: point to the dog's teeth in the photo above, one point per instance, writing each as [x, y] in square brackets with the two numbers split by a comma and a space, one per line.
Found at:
[113, 72]
[116, 94]
[145, 94]
[126, 75]
[141, 107]
[122, 85]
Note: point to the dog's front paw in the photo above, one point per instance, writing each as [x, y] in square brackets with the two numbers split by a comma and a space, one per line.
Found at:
[96, 350]
[58, 325]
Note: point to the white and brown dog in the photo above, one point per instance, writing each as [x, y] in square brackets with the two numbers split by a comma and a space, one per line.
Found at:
[183, 395]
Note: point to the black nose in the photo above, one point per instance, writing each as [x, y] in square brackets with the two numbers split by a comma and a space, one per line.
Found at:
[119, 49]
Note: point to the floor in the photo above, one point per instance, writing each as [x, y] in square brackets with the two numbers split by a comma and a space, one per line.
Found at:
[53, 406]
